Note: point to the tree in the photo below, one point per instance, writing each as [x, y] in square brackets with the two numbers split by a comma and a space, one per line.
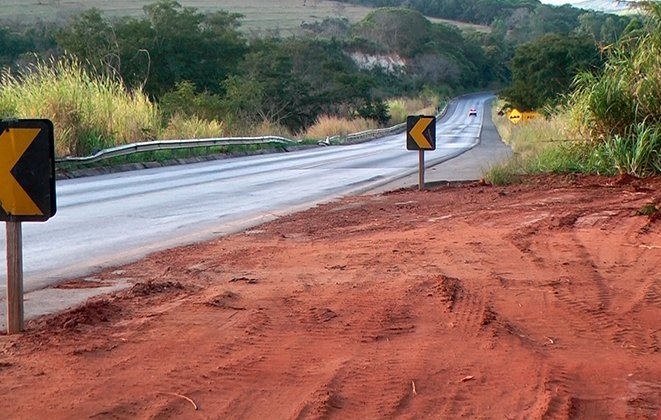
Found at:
[171, 44]
[399, 30]
[543, 70]
[12, 45]
[91, 38]
[184, 44]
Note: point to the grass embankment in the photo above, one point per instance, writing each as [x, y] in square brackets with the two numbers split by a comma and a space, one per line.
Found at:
[611, 122]
[540, 146]
[283, 16]
[556, 145]
[91, 113]
[88, 112]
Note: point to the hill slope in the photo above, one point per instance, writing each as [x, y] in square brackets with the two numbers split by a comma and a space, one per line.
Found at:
[260, 15]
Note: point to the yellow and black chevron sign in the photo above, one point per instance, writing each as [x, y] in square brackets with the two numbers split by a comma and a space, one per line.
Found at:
[27, 170]
[421, 132]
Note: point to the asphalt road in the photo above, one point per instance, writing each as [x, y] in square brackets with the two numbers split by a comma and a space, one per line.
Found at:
[114, 219]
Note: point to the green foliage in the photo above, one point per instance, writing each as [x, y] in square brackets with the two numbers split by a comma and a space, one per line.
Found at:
[184, 44]
[503, 173]
[199, 67]
[618, 110]
[170, 45]
[638, 153]
[438, 55]
[291, 82]
[12, 45]
[377, 111]
[185, 101]
[569, 157]
[181, 127]
[92, 40]
[523, 20]
[402, 31]
[268, 88]
[622, 106]
[543, 70]
[329, 28]
[474, 11]
[545, 146]
[605, 29]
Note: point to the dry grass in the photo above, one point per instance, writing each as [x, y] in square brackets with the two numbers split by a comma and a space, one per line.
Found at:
[401, 108]
[284, 15]
[180, 127]
[528, 139]
[260, 15]
[266, 128]
[326, 126]
[89, 112]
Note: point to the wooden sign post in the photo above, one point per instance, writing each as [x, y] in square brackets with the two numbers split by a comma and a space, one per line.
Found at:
[15, 315]
[421, 136]
[27, 193]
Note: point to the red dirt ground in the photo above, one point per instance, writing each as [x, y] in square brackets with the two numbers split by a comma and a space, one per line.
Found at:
[534, 301]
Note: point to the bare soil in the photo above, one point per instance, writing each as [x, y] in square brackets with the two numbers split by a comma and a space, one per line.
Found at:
[534, 301]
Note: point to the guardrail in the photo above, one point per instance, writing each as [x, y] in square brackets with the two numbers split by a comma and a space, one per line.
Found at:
[149, 146]
[364, 135]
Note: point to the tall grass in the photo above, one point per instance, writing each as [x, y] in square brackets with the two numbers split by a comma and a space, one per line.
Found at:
[88, 112]
[180, 127]
[620, 109]
[529, 138]
[638, 153]
[401, 108]
[612, 121]
[545, 145]
[328, 126]
[265, 128]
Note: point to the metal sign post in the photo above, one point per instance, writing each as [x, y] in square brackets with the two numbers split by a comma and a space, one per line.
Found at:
[27, 193]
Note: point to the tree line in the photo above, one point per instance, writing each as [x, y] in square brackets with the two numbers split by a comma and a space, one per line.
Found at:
[202, 64]
[538, 48]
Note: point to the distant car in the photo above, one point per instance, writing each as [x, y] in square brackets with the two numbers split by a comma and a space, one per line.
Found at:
[472, 112]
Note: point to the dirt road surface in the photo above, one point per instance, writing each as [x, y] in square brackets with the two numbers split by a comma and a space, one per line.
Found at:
[534, 301]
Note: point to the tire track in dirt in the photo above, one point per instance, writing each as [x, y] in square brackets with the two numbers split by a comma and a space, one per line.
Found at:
[582, 290]
[347, 390]
[586, 292]
[648, 296]
[468, 314]
[455, 316]
[557, 397]
[644, 401]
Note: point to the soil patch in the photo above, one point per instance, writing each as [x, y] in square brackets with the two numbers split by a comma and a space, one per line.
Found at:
[540, 300]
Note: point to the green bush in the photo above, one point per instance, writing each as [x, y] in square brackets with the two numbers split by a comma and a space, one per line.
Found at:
[620, 109]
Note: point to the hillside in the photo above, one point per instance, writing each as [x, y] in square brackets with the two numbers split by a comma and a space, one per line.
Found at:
[259, 15]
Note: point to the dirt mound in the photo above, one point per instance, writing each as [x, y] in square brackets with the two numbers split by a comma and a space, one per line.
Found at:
[92, 314]
[152, 287]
